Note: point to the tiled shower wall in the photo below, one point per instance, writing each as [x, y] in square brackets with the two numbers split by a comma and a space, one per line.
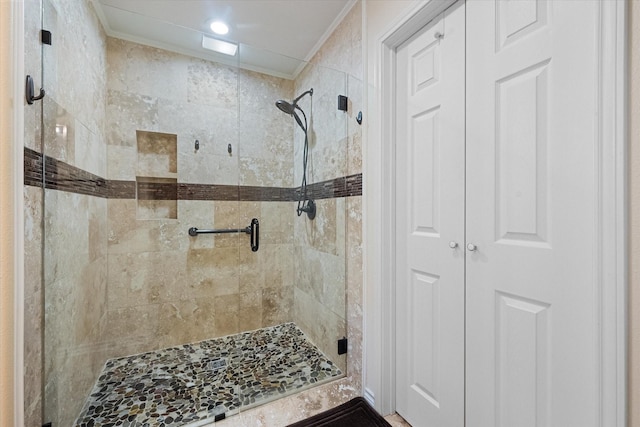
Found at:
[180, 281]
[175, 288]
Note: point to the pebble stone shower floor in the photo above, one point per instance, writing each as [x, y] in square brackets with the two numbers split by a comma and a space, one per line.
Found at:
[182, 385]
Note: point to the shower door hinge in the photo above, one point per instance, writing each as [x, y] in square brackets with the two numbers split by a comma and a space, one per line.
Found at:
[45, 37]
[343, 103]
[46, 425]
[342, 345]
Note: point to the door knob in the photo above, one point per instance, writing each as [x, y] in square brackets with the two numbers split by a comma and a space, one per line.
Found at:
[471, 247]
[453, 244]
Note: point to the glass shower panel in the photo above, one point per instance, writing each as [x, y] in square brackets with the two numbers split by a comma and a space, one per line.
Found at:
[139, 146]
[75, 208]
[146, 144]
[33, 197]
[319, 306]
[300, 315]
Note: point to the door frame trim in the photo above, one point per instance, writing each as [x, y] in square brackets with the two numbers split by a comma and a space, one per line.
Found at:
[612, 210]
[12, 218]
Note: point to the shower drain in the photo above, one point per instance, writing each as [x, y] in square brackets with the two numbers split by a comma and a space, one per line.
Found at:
[217, 364]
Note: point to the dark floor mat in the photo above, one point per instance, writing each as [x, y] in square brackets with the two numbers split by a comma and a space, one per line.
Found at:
[354, 413]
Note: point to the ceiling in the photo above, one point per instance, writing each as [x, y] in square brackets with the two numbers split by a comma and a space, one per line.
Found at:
[274, 36]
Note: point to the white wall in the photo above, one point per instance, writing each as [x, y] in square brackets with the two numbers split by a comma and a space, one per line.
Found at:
[380, 16]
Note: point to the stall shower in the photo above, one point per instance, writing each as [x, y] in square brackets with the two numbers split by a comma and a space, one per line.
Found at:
[138, 295]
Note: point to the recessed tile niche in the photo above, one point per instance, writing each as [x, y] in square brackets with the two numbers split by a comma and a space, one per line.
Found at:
[156, 175]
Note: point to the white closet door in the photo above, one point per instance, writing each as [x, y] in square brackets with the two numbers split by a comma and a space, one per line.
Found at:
[430, 215]
[531, 326]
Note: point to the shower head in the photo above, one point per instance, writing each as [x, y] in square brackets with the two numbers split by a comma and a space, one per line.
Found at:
[290, 107]
[285, 107]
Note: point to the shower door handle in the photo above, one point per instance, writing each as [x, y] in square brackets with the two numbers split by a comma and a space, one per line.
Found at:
[255, 234]
[30, 93]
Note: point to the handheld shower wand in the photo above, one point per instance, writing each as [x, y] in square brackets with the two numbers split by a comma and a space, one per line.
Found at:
[304, 205]
[290, 108]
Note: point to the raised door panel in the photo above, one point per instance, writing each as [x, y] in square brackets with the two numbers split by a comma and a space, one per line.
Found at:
[430, 214]
[423, 167]
[531, 320]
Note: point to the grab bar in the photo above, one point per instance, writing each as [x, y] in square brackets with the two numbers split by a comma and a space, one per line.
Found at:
[253, 230]
[193, 231]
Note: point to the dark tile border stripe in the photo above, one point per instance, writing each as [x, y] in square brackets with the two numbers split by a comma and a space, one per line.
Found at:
[32, 168]
[121, 189]
[64, 177]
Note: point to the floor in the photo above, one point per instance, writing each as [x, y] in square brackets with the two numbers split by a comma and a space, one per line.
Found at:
[195, 382]
[396, 421]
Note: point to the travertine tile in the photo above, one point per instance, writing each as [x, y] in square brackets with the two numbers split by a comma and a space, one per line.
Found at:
[127, 113]
[396, 421]
[209, 83]
[33, 240]
[265, 172]
[157, 209]
[121, 163]
[276, 305]
[146, 278]
[146, 71]
[33, 354]
[186, 321]
[157, 154]
[250, 311]
[59, 131]
[120, 321]
[227, 308]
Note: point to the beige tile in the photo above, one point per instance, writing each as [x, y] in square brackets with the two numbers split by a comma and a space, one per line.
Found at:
[227, 308]
[157, 209]
[59, 131]
[33, 199]
[396, 421]
[185, 322]
[157, 154]
[139, 322]
[265, 172]
[33, 354]
[276, 305]
[146, 278]
[321, 325]
[121, 162]
[210, 83]
[90, 302]
[199, 214]
[75, 381]
[128, 234]
[250, 311]
[127, 113]
[146, 71]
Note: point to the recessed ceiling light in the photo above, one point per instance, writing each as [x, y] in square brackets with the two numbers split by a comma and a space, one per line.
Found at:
[219, 46]
[219, 27]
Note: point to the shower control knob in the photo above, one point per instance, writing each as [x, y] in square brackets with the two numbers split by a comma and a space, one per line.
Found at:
[471, 247]
[453, 244]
